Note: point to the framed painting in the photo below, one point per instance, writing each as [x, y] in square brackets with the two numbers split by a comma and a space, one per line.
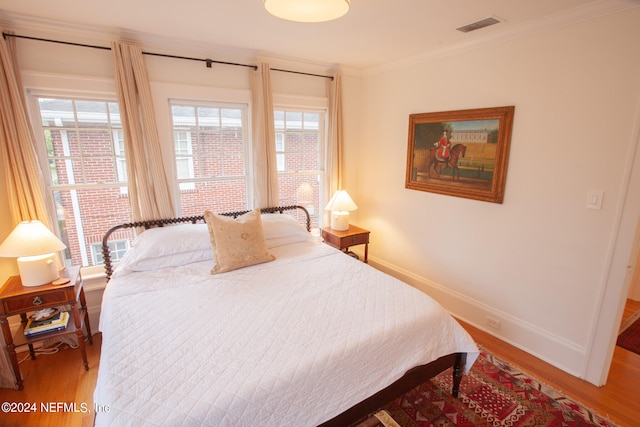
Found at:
[460, 153]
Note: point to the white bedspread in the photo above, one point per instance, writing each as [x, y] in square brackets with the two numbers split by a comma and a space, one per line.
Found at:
[292, 342]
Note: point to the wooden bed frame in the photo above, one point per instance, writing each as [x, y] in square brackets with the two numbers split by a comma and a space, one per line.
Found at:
[411, 379]
[106, 253]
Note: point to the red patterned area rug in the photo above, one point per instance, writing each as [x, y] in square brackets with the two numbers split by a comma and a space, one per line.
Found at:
[629, 337]
[492, 394]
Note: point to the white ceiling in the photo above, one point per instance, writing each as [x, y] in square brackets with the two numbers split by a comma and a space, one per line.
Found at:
[374, 32]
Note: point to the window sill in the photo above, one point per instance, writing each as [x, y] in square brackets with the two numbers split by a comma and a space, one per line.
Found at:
[94, 278]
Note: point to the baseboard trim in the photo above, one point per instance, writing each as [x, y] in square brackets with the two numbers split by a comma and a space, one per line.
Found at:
[541, 343]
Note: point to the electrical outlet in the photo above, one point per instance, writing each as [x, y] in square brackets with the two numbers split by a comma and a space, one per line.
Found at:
[494, 323]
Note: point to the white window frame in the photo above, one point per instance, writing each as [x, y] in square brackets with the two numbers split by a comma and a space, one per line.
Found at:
[188, 183]
[280, 156]
[34, 93]
[65, 86]
[313, 106]
[121, 161]
[165, 92]
[186, 156]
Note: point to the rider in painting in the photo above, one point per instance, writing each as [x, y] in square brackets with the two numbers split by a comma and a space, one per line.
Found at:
[443, 146]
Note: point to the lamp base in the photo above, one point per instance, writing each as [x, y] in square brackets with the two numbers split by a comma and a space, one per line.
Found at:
[38, 270]
[339, 220]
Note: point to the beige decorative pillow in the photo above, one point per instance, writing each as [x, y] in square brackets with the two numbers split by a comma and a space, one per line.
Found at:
[236, 243]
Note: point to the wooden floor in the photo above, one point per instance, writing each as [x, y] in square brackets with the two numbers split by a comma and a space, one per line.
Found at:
[50, 382]
[58, 383]
[618, 399]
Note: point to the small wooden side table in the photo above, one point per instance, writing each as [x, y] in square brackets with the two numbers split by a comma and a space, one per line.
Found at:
[343, 240]
[17, 299]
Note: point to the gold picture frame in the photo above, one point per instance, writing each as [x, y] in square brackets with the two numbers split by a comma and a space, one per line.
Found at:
[460, 153]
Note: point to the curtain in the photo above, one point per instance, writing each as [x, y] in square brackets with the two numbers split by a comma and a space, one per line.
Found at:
[19, 161]
[150, 194]
[265, 172]
[335, 161]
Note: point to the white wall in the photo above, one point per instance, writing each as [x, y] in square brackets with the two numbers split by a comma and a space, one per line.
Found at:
[538, 262]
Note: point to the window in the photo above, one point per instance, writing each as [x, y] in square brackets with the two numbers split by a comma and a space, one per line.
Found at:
[212, 158]
[117, 249]
[121, 163]
[300, 141]
[280, 152]
[84, 152]
[184, 159]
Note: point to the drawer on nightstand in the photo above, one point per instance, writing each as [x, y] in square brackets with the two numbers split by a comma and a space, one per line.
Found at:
[359, 239]
[334, 240]
[23, 303]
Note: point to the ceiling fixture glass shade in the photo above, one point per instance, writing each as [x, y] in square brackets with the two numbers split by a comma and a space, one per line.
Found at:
[307, 10]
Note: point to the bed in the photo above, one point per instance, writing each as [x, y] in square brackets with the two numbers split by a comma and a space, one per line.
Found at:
[309, 337]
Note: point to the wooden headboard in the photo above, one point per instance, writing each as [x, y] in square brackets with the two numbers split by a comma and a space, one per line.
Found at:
[106, 253]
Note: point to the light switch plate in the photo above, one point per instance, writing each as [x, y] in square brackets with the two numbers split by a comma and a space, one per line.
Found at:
[594, 199]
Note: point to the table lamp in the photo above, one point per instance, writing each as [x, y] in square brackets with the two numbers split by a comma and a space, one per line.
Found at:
[340, 205]
[35, 246]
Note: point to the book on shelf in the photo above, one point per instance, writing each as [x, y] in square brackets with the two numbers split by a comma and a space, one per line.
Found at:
[56, 323]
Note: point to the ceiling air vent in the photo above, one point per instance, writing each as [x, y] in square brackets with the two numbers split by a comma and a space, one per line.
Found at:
[479, 24]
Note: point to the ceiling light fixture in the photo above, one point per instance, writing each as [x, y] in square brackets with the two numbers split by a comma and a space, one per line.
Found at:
[307, 10]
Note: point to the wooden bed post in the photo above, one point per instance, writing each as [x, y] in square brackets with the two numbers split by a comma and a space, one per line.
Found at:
[458, 369]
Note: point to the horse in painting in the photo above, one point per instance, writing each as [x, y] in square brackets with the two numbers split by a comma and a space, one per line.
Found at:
[439, 164]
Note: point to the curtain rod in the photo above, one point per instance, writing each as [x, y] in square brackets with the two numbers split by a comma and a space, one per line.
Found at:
[207, 61]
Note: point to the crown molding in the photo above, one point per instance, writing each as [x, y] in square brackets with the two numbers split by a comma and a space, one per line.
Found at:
[576, 15]
[45, 28]
[102, 36]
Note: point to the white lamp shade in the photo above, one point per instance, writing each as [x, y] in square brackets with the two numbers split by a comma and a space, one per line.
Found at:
[340, 205]
[341, 201]
[30, 238]
[34, 245]
[307, 10]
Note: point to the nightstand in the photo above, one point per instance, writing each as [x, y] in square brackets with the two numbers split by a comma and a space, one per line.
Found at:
[16, 299]
[343, 240]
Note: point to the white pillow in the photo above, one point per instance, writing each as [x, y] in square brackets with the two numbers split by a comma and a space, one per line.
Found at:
[282, 229]
[168, 246]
